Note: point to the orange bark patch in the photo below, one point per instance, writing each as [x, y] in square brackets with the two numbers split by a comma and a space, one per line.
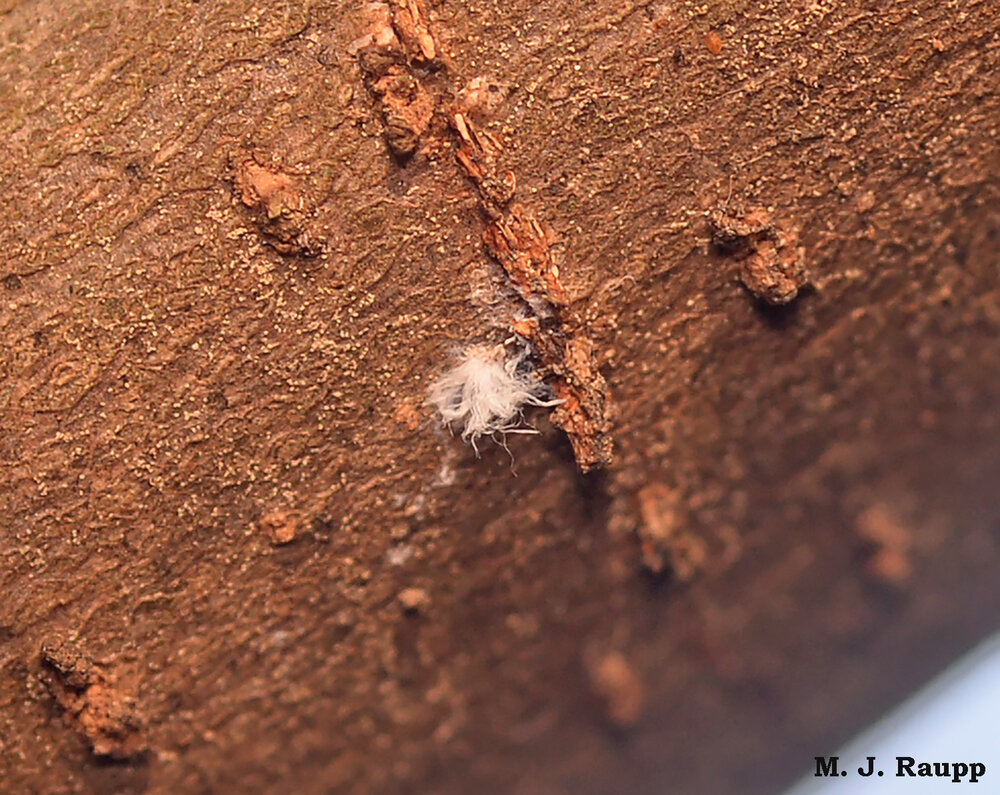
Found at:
[93, 700]
[277, 204]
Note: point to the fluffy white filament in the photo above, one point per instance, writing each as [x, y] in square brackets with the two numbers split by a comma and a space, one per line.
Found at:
[486, 392]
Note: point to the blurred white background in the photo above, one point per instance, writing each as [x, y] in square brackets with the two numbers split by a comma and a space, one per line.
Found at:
[956, 718]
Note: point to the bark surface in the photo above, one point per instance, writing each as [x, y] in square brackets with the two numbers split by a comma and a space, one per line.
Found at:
[238, 550]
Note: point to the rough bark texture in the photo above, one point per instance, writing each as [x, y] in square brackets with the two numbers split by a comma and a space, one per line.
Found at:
[239, 552]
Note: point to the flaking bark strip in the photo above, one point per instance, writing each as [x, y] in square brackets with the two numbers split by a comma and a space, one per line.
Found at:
[397, 56]
[397, 44]
[409, 20]
[522, 246]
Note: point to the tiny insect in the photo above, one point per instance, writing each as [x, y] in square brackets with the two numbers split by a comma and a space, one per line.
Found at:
[486, 392]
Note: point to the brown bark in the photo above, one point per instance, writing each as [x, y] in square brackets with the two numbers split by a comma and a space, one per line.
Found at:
[237, 548]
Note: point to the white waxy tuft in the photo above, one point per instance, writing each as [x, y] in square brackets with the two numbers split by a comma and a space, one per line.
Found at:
[486, 392]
